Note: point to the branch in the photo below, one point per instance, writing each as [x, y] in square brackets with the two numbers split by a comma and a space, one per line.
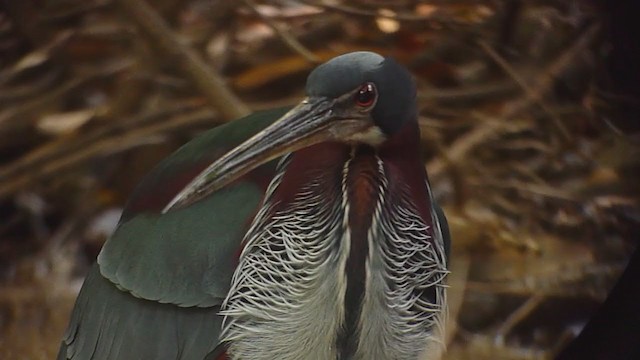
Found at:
[533, 94]
[192, 65]
[486, 130]
[289, 40]
[119, 141]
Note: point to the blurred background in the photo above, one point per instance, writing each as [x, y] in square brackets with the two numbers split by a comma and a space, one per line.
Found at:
[529, 112]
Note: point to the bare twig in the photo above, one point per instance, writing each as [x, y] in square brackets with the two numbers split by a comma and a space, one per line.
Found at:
[470, 93]
[517, 316]
[566, 283]
[465, 144]
[288, 39]
[544, 81]
[532, 94]
[24, 91]
[207, 81]
[67, 161]
[440, 23]
[71, 143]
[9, 117]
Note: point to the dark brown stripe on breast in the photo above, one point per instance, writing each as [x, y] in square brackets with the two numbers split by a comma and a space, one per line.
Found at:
[363, 187]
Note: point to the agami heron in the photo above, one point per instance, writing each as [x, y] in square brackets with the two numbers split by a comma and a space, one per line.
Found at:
[315, 236]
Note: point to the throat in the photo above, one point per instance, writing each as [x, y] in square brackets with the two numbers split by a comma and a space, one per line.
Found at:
[362, 186]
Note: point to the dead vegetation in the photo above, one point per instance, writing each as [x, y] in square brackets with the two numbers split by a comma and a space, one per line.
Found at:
[540, 192]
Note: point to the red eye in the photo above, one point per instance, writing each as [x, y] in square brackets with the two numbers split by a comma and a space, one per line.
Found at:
[366, 95]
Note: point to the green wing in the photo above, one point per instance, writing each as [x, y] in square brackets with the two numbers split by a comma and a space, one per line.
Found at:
[156, 289]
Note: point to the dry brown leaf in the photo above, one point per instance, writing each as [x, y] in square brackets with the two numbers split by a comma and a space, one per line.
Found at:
[386, 23]
[64, 123]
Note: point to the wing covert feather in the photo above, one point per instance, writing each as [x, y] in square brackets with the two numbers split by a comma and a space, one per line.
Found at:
[111, 324]
[155, 290]
[186, 257]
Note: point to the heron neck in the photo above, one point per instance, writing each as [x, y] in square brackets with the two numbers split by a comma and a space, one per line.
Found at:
[358, 176]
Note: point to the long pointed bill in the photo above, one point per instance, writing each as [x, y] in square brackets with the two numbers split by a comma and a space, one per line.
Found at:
[309, 123]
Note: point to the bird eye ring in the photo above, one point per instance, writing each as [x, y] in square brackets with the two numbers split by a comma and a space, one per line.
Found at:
[366, 95]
